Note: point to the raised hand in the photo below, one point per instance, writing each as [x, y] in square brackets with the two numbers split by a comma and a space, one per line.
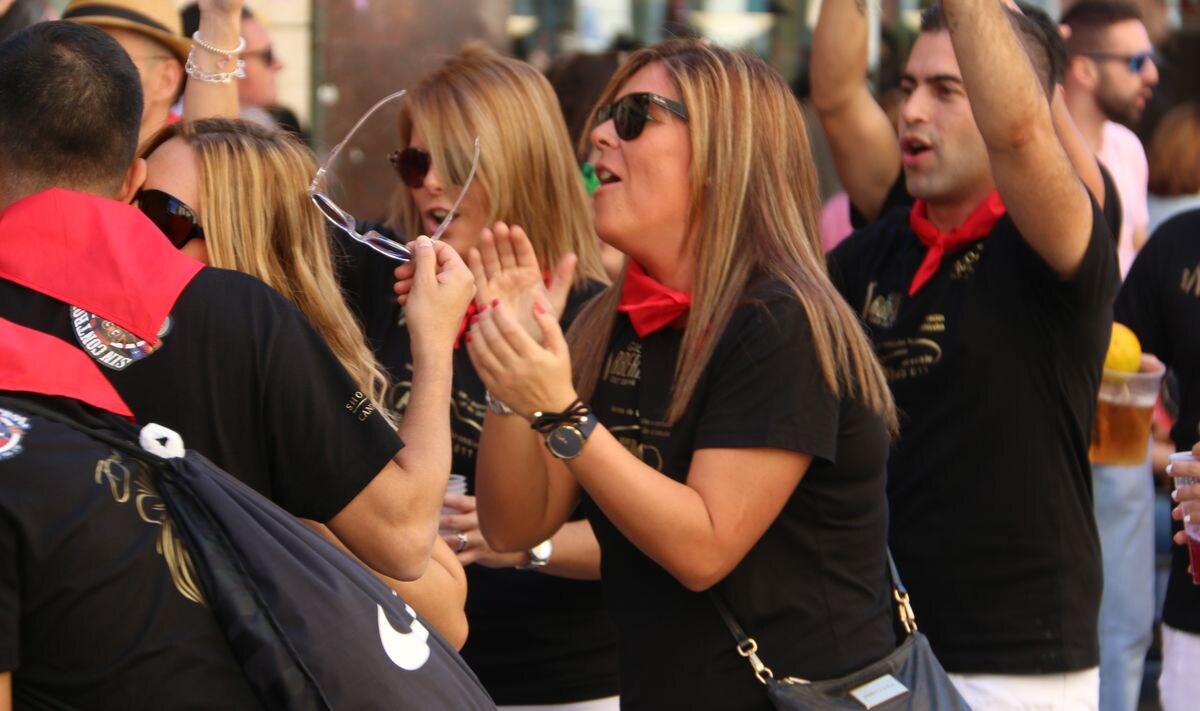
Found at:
[506, 268]
[438, 289]
[515, 367]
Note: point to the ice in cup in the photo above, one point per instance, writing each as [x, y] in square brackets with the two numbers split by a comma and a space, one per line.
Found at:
[1192, 528]
[1121, 432]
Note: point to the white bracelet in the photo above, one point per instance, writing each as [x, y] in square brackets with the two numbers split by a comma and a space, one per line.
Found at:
[195, 72]
[215, 50]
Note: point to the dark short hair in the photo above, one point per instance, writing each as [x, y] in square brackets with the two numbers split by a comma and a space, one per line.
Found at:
[1035, 41]
[70, 108]
[1090, 19]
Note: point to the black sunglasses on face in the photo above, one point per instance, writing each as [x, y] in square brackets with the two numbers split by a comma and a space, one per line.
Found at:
[631, 112]
[1134, 62]
[412, 165]
[171, 215]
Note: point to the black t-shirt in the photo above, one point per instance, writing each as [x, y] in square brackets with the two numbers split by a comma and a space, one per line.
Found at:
[1160, 301]
[245, 380]
[535, 638]
[994, 364]
[813, 591]
[90, 614]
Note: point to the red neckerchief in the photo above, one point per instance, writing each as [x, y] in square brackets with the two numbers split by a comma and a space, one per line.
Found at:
[978, 225]
[36, 362]
[102, 256]
[466, 323]
[650, 305]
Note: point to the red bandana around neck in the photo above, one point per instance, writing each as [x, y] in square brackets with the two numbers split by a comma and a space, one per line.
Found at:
[36, 362]
[978, 225]
[472, 309]
[650, 304]
[100, 255]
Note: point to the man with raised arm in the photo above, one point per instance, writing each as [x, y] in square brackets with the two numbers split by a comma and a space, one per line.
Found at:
[989, 303]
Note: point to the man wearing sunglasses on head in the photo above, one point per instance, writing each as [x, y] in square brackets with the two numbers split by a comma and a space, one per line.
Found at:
[229, 363]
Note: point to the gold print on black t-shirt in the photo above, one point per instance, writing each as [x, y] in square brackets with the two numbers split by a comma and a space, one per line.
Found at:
[130, 480]
[880, 310]
[624, 367]
[630, 437]
[360, 406]
[908, 357]
[965, 266]
[468, 412]
[1189, 282]
[934, 323]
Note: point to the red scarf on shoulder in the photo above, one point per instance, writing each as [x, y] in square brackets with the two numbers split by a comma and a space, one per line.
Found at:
[649, 304]
[978, 225]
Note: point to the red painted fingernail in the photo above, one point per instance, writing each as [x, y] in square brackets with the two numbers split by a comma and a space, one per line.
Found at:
[495, 302]
[539, 309]
[474, 319]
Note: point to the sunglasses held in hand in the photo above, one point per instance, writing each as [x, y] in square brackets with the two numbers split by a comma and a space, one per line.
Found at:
[345, 222]
[631, 112]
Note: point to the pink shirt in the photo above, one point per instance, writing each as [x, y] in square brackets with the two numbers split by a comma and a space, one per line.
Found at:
[1122, 153]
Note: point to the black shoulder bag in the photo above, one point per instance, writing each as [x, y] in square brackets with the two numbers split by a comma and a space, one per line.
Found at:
[909, 679]
[311, 627]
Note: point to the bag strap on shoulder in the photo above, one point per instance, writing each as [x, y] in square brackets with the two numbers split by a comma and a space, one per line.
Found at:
[748, 648]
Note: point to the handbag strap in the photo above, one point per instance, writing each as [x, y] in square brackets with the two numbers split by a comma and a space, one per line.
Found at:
[748, 648]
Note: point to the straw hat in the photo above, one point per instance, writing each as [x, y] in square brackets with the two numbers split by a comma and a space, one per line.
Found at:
[156, 19]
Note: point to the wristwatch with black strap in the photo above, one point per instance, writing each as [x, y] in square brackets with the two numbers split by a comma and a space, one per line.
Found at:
[567, 431]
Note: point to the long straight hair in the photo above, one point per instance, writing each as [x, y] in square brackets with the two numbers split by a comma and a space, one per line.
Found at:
[526, 164]
[258, 220]
[754, 207]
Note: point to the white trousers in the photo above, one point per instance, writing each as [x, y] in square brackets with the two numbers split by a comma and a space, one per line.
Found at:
[1070, 691]
[1179, 684]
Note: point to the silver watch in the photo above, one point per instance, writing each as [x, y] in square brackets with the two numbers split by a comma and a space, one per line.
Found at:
[539, 555]
[496, 406]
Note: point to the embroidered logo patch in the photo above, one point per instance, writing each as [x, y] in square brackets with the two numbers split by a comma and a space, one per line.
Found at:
[109, 344]
[13, 428]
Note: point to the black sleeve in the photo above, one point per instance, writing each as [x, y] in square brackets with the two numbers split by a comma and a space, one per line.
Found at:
[897, 196]
[1094, 283]
[1141, 302]
[764, 387]
[10, 594]
[328, 440]
[1112, 203]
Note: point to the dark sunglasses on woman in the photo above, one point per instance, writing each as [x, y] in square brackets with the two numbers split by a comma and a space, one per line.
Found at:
[171, 215]
[412, 165]
[631, 112]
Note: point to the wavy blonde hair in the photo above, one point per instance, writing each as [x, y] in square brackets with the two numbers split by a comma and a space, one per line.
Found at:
[754, 213]
[258, 220]
[526, 163]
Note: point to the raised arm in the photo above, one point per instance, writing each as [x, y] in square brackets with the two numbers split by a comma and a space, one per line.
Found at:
[392, 523]
[1028, 162]
[865, 149]
[220, 27]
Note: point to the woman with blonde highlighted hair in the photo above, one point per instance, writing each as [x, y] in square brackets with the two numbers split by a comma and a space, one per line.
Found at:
[234, 195]
[539, 633]
[719, 410]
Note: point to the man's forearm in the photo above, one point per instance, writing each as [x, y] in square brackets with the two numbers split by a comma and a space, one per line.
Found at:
[839, 53]
[1008, 105]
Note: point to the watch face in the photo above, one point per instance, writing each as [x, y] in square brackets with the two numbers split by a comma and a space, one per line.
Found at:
[566, 442]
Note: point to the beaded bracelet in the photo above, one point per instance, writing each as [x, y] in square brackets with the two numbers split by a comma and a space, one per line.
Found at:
[194, 71]
[215, 50]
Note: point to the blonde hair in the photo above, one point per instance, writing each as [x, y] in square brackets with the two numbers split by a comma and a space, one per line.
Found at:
[1174, 154]
[526, 164]
[258, 220]
[754, 214]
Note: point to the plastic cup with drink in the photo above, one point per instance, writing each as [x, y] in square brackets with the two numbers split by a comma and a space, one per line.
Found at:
[1191, 528]
[1121, 432]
